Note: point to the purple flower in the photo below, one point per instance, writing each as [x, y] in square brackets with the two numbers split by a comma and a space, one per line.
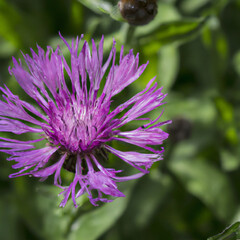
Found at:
[77, 123]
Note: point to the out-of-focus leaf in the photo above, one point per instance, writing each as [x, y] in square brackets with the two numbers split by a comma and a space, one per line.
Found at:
[231, 233]
[92, 225]
[230, 160]
[39, 209]
[225, 109]
[215, 40]
[100, 6]
[26, 204]
[217, 7]
[178, 31]
[97, 5]
[76, 12]
[55, 220]
[203, 180]
[227, 116]
[236, 62]
[192, 5]
[168, 65]
[9, 19]
[6, 48]
[152, 190]
[195, 109]
[8, 218]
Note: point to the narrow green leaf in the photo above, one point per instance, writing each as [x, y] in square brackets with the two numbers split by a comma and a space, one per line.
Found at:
[97, 6]
[178, 31]
[100, 7]
[230, 233]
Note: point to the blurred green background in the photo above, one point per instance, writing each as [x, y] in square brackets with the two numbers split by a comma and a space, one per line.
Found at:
[194, 50]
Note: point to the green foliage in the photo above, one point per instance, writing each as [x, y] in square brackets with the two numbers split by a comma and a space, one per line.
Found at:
[193, 48]
[231, 233]
[99, 219]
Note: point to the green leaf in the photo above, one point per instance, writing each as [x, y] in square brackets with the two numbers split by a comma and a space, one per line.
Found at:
[9, 19]
[236, 62]
[151, 189]
[54, 220]
[178, 31]
[230, 160]
[191, 5]
[195, 109]
[168, 66]
[38, 205]
[7, 49]
[26, 205]
[230, 233]
[8, 218]
[217, 7]
[226, 112]
[97, 6]
[100, 7]
[203, 180]
[93, 224]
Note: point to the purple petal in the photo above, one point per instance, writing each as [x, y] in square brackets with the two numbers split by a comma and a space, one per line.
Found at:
[136, 159]
[15, 126]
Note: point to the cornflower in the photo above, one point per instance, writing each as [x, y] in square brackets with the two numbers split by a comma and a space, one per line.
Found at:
[76, 121]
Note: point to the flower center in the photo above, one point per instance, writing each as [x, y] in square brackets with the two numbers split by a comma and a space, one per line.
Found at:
[75, 127]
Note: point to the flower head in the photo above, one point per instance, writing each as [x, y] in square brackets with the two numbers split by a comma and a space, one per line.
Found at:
[77, 122]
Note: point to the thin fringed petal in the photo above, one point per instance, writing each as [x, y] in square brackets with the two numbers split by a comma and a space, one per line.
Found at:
[44, 173]
[17, 127]
[16, 111]
[146, 103]
[34, 156]
[15, 146]
[129, 102]
[127, 178]
[32, 159]
[136, 159]
[103, 183]
[14, 98]
[47, 68]
[143, 137]
[12, 146]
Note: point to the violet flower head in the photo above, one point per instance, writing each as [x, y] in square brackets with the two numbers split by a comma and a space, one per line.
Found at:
[77, 122]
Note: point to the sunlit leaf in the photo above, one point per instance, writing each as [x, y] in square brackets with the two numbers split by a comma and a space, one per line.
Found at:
[230, 160]
[101, 6]
[9, 18]
[168, 64]
[178, 31]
